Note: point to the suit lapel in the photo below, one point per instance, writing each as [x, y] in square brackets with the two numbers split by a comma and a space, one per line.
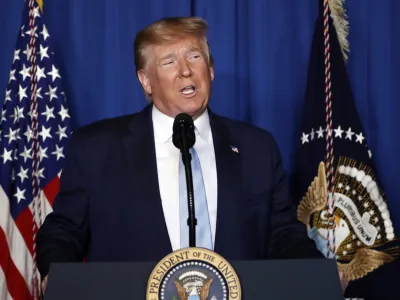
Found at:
[229, 190]
[140, 153]
[139, 148]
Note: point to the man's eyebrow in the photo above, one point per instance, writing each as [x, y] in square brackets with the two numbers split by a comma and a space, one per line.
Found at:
[171, 55]
[166, 56]
[193, 48]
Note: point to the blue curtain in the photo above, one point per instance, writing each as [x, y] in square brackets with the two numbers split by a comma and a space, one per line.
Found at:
[261, 50]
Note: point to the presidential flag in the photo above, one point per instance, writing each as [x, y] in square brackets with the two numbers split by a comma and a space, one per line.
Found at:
[341, 199]
[34, 129]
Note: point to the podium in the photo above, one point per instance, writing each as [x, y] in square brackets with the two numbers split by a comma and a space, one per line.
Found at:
[311, 279]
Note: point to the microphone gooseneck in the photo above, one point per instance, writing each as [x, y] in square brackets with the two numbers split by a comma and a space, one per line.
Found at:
[183, 138]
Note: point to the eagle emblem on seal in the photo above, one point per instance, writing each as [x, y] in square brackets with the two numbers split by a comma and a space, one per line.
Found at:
[193, 285]
[356, 232]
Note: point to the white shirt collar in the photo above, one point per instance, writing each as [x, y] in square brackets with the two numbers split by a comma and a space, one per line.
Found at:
[162, 125]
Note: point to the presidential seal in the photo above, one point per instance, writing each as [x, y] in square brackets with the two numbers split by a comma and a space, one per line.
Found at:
[193, 274]
[352, 223]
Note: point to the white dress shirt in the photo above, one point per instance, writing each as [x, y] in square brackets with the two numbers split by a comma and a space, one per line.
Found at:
[168, 170]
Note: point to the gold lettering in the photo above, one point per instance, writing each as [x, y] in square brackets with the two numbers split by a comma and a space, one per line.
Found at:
[157, 278]
[209, 257]
[167, 264]
[162, 268]
[233, 288]
[160, 272]
[153, 288]
[186, 253]
[179, 257]
[232, 281]
[224, 269]
[227, 277]
[197, 254]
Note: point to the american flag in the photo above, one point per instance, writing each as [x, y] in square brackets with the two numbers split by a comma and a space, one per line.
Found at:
[34, 129]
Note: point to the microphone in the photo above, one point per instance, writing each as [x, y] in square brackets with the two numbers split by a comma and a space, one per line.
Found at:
[183, 137]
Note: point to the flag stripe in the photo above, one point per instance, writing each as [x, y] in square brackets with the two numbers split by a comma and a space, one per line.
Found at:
[14, 241]
[16, 284]
[24, 224]
[45, 208]
[52, 189]
[4, 294]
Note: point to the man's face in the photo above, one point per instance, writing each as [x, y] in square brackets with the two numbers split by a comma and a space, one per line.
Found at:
[178, 77]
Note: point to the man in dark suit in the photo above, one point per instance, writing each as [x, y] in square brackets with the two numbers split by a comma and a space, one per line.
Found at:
[121, 190]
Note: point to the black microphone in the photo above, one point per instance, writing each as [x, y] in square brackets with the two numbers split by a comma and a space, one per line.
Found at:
[183, 137]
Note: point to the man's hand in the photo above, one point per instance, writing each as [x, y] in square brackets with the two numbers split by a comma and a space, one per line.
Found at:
[43, 285]
[343, 281]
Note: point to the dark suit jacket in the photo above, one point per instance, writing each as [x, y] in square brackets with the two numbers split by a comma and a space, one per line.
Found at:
[109, 205]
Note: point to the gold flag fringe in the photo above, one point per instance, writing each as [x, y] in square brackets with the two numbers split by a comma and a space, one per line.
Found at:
[341, 24]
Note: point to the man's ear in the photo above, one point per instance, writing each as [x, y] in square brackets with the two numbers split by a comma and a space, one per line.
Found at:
[145, 81]
[212, 73]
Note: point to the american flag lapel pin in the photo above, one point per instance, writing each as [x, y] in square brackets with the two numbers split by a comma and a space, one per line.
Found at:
[235, 149]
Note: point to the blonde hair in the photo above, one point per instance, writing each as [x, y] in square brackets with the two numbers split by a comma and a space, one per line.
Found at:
[167, 30]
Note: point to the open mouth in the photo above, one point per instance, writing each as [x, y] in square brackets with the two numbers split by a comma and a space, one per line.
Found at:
[188, 90]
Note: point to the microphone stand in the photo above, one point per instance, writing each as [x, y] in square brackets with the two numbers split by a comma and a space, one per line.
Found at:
[186, 158]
